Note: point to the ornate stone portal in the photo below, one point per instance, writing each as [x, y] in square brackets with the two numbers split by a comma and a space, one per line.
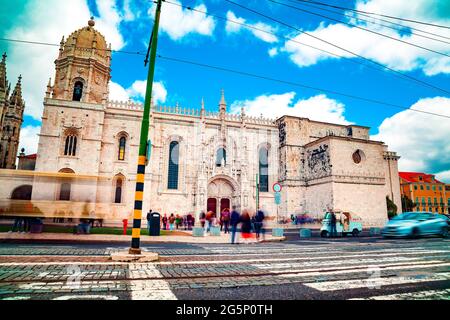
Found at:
[223, 193]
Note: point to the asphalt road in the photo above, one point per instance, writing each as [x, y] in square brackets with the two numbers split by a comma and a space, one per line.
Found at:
[343, 268]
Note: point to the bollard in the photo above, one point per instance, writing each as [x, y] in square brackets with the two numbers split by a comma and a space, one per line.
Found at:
[277, 232]
[305, 233]
[125, 226]
[198, 232]
[215, 231]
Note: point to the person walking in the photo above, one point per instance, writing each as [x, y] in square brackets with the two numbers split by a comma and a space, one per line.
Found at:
[234, 221]
[259, 222]
[149, 217]
[171, 222]
[226, 220]
[202, 219]
[189, 219]
[246, 226]
[333, 231]
[208, 221]
[164, 221]
[18, 225]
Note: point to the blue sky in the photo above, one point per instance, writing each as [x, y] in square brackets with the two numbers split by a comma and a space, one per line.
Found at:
[421, 140]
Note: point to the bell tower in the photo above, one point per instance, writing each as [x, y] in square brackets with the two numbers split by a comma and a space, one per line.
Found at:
[83, 67]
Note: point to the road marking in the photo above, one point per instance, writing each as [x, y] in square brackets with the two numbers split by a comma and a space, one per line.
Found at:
[375, 282]
[149, 289]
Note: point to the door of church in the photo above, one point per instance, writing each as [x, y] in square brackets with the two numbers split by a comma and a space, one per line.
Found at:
[212, 205]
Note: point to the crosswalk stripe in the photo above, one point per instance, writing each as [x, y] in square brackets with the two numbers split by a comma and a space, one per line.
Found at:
[374, 282]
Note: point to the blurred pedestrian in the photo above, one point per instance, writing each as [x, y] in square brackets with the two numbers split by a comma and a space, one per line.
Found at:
[333, 231]
[226, 220]
[164, 221]
[209, 216]
[246, 226]
[18, 225]
[178, 221]
[234, 221]
[189, 220]
[172, 222]
[259, 223]
[202, 219]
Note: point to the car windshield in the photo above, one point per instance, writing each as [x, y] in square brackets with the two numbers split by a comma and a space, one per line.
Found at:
[406, 216]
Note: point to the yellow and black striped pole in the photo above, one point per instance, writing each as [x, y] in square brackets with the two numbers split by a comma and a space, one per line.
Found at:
[139, 194]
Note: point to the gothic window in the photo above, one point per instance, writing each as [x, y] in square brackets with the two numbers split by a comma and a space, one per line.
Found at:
[70, 147]
[64, 193]
[122, 145]
[350, 131]
[263, 169]
[174, 154]
[221, 157]
[77, 91]
[118, 191]
[66, 186]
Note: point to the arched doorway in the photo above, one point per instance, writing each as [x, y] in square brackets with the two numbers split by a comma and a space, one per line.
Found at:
[222, 194]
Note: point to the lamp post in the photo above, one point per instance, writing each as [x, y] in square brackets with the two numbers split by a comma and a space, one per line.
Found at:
[143, 145]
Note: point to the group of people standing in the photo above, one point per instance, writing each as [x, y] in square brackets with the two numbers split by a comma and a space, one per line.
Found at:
[230, 221]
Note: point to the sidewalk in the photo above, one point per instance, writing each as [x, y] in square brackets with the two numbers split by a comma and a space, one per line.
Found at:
[92, 238]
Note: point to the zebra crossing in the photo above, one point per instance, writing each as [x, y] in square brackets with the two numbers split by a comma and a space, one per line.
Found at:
[401, 269]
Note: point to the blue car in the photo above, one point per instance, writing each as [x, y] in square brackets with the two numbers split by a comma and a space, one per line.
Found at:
[416, 224]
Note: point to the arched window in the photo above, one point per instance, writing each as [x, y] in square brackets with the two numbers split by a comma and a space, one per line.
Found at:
[263, 169]
[66, 186]
[122, 145]
[70, 147]
[174, 154]
[64, 193]
[118, 192]
[22, 193]
[221, 157]
[77, 91]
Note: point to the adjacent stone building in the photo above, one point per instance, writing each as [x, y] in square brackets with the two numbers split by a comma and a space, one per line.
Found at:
[200, 160]
[11, 118]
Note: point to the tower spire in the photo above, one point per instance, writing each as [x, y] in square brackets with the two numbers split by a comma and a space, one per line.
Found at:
[223, 103]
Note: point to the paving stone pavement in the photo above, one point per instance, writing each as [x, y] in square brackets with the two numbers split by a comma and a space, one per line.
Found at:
[401, 269]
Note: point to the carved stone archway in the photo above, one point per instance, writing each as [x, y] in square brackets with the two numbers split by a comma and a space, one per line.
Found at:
[222, 193]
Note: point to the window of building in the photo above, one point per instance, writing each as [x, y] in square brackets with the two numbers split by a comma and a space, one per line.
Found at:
[440, 188]
[415, 187]
[118, 191]
[64, 193]
[357, 157]
[221, 157]
[428, 187]
[350, 131]
[122, 145]
[429, 201]
[70, 147]
[174, 155]
[423, 201]
[434, 188]
[264, 170]
[77, 91]
[421, 187]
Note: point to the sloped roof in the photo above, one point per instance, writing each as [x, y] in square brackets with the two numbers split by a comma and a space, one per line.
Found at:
[414, 177]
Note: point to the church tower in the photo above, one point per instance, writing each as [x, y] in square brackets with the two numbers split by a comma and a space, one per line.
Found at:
[12, 122]
[4, 88]
[82, 67]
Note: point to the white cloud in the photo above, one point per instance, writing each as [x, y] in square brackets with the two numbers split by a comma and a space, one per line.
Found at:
[420, 139]
[178, 22]
[443, 176]
[319, 108]
[29, 139]
[264, 33]
[39, 23]
[137, 91]
[117, 92]
[396, 55]
[273, 52]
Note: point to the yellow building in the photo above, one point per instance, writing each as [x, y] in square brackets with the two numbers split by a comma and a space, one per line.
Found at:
[425, 191]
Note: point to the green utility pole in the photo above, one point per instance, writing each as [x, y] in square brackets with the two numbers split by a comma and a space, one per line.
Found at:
[140, 178]
[257, 192]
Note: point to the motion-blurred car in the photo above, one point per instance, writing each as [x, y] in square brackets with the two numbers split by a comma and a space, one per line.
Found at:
[416, 224]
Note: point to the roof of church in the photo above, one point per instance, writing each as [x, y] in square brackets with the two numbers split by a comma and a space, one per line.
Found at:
[415, 177]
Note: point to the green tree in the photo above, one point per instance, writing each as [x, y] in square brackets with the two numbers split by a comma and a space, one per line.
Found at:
[391, 208]
[407, 204]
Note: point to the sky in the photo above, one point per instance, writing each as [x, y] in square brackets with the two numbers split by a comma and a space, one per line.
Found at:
[265, 47]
